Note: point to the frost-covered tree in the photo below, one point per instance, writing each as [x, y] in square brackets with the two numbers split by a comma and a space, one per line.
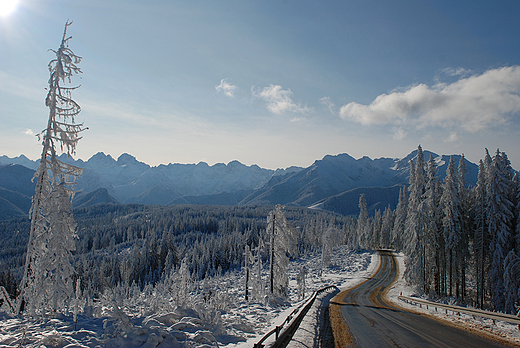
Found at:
[375, 240]
[300, 281]
[434, 243]
[247, 268]
[283, 244]
[500, 218]
[400, 218]
[512, 282]
[386, 227]
[416, 224]
[450, 203]
[47, 283]
[328, 240]
[481, 236]
[258, 288]
[183, 283]
[362, 238]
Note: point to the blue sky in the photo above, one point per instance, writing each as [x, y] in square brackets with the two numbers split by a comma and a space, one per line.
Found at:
[273, 83]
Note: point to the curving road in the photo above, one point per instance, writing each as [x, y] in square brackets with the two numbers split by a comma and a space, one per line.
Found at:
[372, 322]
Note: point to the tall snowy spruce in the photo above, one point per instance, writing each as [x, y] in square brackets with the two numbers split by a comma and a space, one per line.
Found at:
[450, 203]
[500, 220]
[400, 218]
[416, 224]
[434, 242]
[47, 284]
[362, 238]
[282, 243]
[480, 235]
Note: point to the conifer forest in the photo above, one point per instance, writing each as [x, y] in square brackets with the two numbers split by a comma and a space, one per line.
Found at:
[461, 242]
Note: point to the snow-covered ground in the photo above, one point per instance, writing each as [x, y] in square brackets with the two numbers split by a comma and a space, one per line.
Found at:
[150, 320]
[510, 332]
[236, 323]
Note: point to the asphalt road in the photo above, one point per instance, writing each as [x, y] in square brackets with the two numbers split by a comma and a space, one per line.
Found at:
[375, 323]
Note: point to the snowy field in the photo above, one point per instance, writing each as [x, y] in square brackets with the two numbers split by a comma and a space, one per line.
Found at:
[150, 319]
[234, 323]
[510, 332]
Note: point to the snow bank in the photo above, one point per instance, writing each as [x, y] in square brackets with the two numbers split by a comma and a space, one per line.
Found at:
[312, 328]
[151, 321]
[349, 267]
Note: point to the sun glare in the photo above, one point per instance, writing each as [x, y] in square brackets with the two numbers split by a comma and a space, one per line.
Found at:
[7, 6]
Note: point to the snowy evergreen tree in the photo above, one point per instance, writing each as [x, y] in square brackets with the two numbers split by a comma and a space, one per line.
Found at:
[465, 222]
[247, 269]
[47, 283]
[258, 290]
[481, 236]
[283, 244]
[416, 224]
[387, 224]
[500, 217]
[451, 224]
[400, 218]
[512, 282]
[183, 283]
[362, 238]
[375, 241]
[434, 240]
[300, 281]
[516, 187]
[329, 239]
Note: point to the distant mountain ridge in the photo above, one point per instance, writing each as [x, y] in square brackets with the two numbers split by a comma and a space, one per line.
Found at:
[324, 184]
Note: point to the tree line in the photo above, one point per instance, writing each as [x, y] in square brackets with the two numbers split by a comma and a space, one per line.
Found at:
[460, 241]
[138, 244]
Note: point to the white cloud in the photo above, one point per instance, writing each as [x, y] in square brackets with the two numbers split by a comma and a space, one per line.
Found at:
[226, 87]
[456, 72]
[399, 134]
[279, 100]
[28, 131]
[472, 103]
[327, 102]
[452, 138]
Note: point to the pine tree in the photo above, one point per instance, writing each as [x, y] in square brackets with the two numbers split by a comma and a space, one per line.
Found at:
[283, 243]
[434, 241]
[386, 227]
[416, 224]
[400, 218]
[362, 222]
[375, 242]
[500, 217]
[247, 269]
[328, 239]
[465, 209]
[47, 280]
[512, 282]
[300, 280]
[480, 238]
[451, 222]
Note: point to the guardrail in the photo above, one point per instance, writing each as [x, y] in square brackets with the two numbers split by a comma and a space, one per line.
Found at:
[283, 339]
[457, 309]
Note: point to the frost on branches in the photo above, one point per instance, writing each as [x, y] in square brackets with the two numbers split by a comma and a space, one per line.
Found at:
[283, 243]
[47, 283]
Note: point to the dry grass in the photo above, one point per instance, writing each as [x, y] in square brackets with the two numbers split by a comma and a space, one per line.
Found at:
[342, 336]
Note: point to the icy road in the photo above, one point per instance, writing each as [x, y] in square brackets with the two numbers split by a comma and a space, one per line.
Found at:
[373, 322]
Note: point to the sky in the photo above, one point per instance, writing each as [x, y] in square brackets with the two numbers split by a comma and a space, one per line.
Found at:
[276, 83]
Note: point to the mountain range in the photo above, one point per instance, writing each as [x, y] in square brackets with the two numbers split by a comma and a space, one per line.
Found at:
[332, 183]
